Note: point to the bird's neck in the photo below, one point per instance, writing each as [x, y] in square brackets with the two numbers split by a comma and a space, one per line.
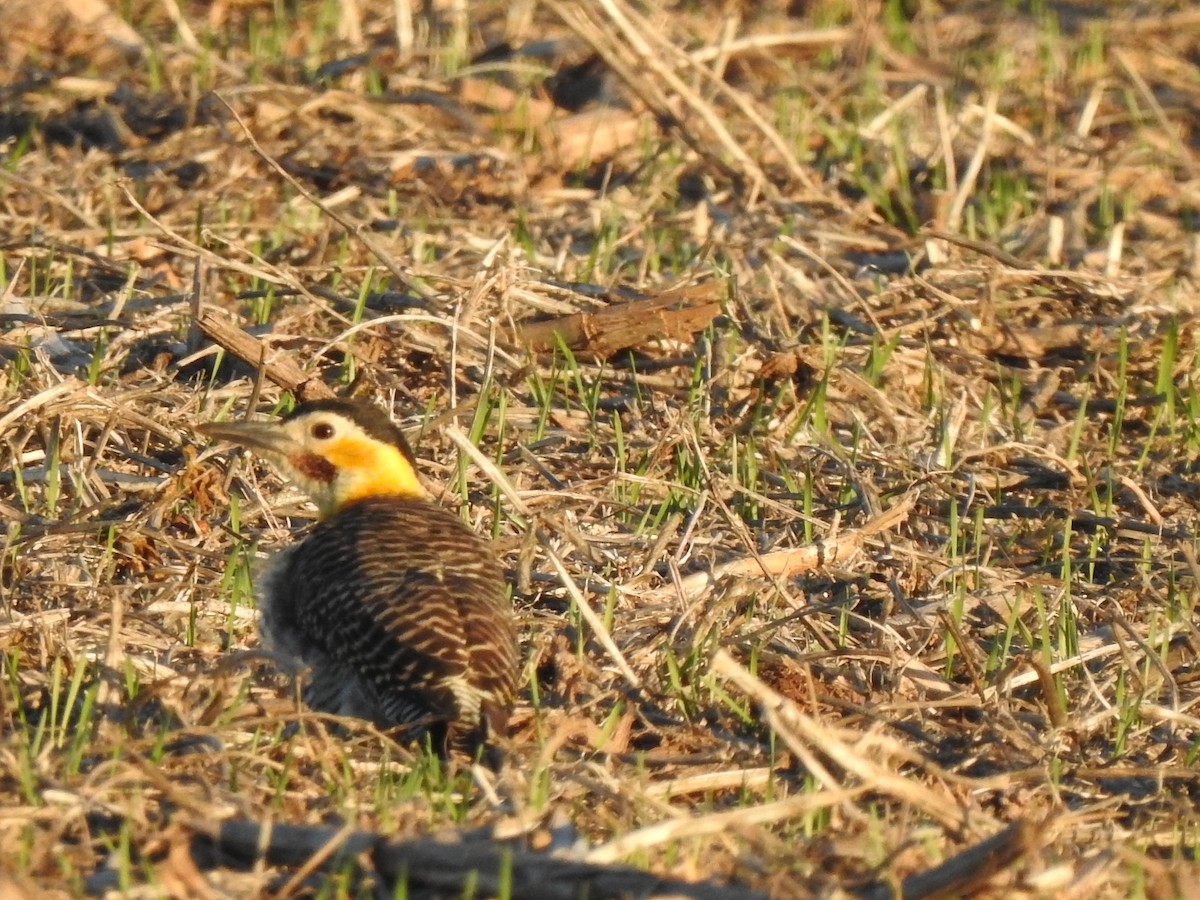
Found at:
[381, 471]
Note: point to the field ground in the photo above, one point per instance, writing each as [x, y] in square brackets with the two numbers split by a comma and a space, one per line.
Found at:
[826, 373]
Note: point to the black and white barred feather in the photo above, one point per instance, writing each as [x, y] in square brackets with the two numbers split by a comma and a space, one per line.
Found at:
[398, 611]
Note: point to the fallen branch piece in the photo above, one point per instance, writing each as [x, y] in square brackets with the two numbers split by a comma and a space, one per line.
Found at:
[673, 315]
[427, 865]
[246, 347]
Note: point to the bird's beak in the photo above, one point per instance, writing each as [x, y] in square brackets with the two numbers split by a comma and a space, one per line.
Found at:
[265, 437]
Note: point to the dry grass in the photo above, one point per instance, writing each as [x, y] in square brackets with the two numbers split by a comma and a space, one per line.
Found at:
[1017, 647]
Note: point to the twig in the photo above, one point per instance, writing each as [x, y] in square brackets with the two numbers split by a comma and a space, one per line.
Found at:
[593, 620]
[719, 823]
[967, 185]
[1183, 155]
[811, 37]
[187, 37]
[801, 732]
[494, 473]
[246, 347]
[982, 247]
[323, 854]
[463, 443]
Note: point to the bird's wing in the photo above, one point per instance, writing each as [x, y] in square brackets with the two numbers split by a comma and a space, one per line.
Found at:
[406, 599]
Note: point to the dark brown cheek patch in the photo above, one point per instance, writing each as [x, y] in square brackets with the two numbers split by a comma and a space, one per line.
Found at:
[317, 468]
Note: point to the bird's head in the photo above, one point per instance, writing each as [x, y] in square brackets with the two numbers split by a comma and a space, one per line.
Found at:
[337, 451]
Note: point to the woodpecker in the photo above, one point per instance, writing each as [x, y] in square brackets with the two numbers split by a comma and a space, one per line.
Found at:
[393, 605]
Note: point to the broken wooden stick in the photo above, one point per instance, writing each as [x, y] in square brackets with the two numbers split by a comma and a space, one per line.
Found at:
[250, 350]
[425, 865]
[673, 315]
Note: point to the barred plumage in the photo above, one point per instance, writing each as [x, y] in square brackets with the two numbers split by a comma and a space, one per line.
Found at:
[392, 603]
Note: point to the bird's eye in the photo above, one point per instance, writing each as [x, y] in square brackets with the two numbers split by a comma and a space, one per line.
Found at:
[322, 431]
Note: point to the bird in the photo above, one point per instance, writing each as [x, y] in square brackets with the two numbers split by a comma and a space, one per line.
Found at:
[395, 607]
